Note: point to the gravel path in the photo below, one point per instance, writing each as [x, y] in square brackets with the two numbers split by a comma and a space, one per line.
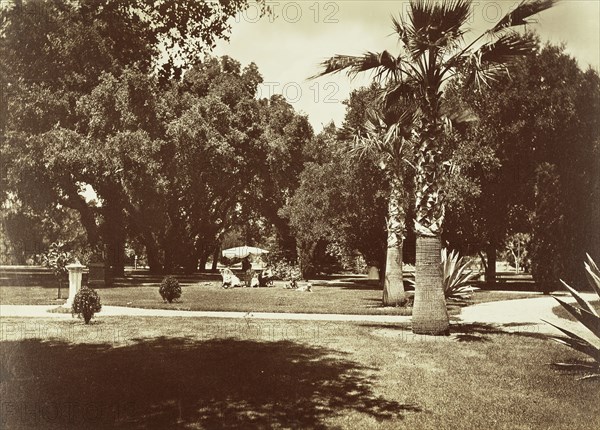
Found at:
[525, 315]
[509, 315]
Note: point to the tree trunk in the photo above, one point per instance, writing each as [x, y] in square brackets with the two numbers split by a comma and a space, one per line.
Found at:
[215, 261]
[115, 252]
[191, 263]
[490, 268]
[86, 214]
[113, 234]
[393, 283]
[152, 254]
[203, 260]
[142, 229]
[430, 315]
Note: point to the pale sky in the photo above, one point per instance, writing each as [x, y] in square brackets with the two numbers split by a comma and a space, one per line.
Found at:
[288, 48]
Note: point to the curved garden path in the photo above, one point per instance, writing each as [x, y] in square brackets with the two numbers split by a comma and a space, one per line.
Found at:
[509, 315]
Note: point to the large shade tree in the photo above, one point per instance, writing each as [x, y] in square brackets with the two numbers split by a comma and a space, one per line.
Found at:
[80, 99]
[339, 206]
[433, 50]
[542, 125]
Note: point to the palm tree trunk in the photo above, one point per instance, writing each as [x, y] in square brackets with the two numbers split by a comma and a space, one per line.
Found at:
[393, 284]
[430, 315]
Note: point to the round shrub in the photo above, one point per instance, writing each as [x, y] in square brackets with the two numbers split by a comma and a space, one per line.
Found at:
[86, 303]
[169, 289]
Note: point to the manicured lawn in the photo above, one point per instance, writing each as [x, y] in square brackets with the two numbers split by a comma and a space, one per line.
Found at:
[345, 296]
[125, 372]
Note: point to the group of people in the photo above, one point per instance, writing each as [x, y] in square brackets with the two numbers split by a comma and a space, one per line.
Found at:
[251, 278]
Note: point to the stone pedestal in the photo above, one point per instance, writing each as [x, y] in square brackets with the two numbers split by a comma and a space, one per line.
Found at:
[75, 274]
[373, 273]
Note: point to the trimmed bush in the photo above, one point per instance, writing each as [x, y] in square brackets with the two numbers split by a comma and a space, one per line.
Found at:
[86, 303]
[169, 289]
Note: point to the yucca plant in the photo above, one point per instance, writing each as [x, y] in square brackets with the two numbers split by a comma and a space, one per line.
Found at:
[458, 280]
[587, 315]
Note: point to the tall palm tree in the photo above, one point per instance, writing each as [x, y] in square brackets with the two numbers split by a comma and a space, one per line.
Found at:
[433, 50]
[387, 139]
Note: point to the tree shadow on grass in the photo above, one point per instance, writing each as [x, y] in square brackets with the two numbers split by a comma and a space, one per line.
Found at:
[472, 332]
[360, 284]
[184, 383]
[480, 332]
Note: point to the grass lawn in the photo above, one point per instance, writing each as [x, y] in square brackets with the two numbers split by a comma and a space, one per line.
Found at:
[125, 372]
[336, 295]
[561, 312]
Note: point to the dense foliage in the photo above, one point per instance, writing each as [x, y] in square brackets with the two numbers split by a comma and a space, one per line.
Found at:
[172, 164]
[541, 125]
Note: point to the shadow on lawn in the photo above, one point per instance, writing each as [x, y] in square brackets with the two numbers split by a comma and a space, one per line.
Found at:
[479, 332]
[474, 332]
[358, 284]
[184, 383]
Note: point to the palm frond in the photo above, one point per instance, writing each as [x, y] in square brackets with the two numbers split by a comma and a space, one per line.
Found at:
[522, 14]
[367, 140]
[381, 135]
[405, 90]
[493, 59]
[384, 63]
[506, 48]
[435, 24]
[400, 29]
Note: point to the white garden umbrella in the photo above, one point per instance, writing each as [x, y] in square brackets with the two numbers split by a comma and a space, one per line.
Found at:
[243, 251]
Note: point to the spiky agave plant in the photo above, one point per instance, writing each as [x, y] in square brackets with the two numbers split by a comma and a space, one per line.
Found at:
[587, 315]
[458, 280]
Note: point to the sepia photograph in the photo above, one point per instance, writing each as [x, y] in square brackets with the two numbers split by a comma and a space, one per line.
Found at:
[299, 214]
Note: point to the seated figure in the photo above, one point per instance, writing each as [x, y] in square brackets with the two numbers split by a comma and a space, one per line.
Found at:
[265, 278]
[230, 280]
